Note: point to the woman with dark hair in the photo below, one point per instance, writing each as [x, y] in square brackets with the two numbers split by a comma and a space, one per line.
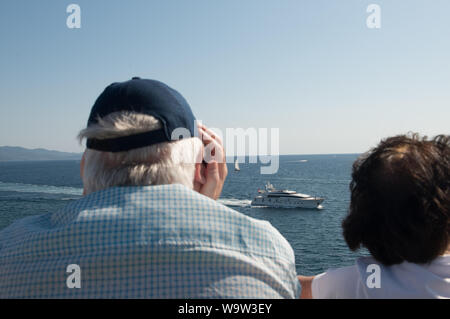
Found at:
[400, 212]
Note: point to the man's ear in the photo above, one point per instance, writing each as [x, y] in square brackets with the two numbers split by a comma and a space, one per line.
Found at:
[82, 165]
[82, 171]
[199, 175]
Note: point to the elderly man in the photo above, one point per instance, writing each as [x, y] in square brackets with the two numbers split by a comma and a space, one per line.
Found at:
[148, 225]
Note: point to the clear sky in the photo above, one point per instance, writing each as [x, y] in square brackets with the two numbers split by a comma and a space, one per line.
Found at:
[310, 68]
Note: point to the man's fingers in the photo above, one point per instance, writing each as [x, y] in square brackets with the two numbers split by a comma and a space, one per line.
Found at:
[214, 155]
[212, 188]
[210, 134]
[212, 171]
[213, 150]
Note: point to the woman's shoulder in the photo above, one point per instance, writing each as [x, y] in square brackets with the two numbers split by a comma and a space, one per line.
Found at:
[336, 283]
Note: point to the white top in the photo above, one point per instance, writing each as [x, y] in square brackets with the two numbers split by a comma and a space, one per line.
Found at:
[401, 281]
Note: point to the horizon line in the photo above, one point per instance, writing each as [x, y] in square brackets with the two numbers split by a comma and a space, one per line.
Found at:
[235, 156]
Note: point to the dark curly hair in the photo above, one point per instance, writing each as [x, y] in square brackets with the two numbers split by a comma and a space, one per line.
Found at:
[400, 201]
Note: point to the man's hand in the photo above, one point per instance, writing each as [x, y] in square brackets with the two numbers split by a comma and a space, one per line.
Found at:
[216, 167]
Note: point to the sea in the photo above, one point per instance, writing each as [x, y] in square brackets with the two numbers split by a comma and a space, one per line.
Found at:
[38, 187]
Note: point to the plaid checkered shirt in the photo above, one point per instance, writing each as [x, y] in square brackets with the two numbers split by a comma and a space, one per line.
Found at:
[164, 241]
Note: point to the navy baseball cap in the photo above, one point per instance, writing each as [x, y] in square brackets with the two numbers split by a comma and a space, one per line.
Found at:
[144, 97]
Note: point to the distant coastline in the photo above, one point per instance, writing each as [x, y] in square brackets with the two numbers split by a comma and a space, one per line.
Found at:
[17, 153]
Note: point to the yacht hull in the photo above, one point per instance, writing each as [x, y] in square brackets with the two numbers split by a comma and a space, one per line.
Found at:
[310, 203]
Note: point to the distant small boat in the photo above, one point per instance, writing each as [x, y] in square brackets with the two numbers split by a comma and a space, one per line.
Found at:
[236, 165]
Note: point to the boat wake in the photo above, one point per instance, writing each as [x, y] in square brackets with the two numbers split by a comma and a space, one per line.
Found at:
[63, 190]
[45, 189]
[234, 202]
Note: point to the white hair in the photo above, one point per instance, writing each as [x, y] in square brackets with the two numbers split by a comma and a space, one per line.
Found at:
[163, 163]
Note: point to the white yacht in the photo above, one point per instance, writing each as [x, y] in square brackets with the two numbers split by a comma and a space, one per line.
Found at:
[272, 197]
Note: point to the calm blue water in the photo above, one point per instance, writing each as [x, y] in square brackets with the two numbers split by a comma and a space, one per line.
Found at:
[29, 188]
